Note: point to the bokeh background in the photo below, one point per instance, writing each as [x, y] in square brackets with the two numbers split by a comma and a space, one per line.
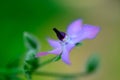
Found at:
[38, 17]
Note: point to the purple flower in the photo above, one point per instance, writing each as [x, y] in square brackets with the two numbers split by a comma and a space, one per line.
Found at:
[76, 33]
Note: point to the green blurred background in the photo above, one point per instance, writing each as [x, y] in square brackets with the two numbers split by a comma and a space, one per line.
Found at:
[40, 16]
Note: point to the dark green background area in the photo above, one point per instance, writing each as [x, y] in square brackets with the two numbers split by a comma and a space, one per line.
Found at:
[17, 16]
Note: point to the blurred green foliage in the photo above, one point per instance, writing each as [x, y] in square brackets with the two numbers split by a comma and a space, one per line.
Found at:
[17, 16]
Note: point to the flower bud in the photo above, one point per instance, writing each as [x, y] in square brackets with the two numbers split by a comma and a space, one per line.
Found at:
[92, 64]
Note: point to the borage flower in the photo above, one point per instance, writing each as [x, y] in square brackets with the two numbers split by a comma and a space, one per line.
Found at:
[76, 33]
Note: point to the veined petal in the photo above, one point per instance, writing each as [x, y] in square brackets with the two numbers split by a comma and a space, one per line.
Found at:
[54, 43]
[74, 27]
[87, 32]
[56, 51]
[65, 53]
[42, 54]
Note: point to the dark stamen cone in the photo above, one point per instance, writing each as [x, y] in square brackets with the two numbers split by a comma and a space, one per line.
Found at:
[60, 35]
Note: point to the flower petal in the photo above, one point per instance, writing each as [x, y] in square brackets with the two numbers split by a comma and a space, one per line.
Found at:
[56, 51]
[65, 54]
[74, 28]
[41, 54]
[54, 43]
[87, 32]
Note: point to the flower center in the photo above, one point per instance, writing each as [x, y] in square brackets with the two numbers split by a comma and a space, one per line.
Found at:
[67, 40]
[60, 35]
[63, 37]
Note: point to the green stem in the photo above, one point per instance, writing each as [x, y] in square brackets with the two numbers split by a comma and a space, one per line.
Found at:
[60, 74]
[28, 77]
[46, 74]
[19, 71]
[46, 62]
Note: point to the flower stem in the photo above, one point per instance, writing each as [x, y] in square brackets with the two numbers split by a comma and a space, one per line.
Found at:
[46, 62]
[51, 74]
[61, 74]
[28, 77]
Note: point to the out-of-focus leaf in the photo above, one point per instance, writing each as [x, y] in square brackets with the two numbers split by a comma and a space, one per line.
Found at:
[30, 41]
[92, 63]
[30, 55]
[31, 62]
